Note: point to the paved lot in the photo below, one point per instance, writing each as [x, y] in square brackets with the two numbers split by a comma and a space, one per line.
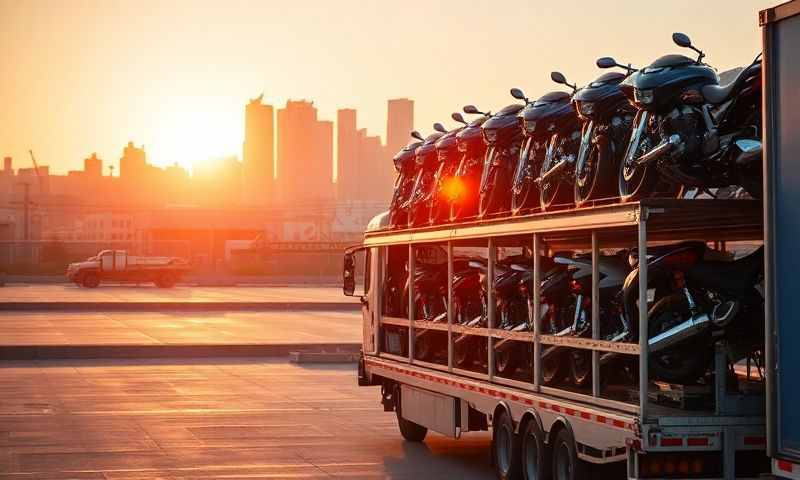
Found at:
[149, 293]
[232, 419]
[92, 328]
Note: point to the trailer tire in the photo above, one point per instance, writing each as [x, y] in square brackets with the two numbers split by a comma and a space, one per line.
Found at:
[506, 448]
[165, 280]
[566, 464]
[90, 280]
[411, 432]
[534, 455]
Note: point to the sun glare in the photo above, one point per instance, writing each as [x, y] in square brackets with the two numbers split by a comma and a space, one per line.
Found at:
[194, 132]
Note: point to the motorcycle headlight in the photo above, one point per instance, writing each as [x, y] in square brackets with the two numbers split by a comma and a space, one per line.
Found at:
[530, 126]
[586, 108]
[643, 96]
[490, 136]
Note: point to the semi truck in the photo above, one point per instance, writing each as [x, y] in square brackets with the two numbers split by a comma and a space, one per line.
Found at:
[119, 266]
[781, 42]
[741, 424]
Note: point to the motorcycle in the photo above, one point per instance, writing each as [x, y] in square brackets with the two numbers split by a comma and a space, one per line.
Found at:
[406, 166]
[557, 170]
[427, 165]
[690, 132]
[607, 117]
[697, 296]
[430, 304]
[445, 186]
[577, 318]
[539, 119]
[466, 180]
[502, 134]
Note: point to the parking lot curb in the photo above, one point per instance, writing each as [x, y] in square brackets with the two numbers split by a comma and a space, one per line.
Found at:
[53, 352]
[177, 306]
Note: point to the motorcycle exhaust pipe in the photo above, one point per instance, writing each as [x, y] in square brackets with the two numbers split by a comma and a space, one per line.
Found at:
[552, 172]
[679, 333]
[659, 151]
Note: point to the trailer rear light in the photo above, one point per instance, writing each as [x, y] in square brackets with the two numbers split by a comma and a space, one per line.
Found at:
[680, 465]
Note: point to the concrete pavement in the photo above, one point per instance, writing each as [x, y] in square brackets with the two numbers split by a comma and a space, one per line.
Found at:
[210, 419]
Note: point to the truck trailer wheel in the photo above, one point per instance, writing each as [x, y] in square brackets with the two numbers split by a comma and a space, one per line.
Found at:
[90, 280]
[566, 465]
[410, 431]
[165, 280]
[506, 448]
[535, 458]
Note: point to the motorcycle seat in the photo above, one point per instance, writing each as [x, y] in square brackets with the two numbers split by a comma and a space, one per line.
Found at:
[736, 277]
[716, 94]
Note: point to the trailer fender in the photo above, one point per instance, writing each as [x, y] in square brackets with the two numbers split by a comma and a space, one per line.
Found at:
[560, 423]
[529, 416]
[502, 407]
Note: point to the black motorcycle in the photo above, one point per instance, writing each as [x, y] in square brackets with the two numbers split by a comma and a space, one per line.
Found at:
[427, 166]
[463, 194]
[503, 136]
[691, 132]
[446, 187]
[607, 117]
[430, 304]
[406, 166]
[557, 170]
[539, 120]
[697, 296]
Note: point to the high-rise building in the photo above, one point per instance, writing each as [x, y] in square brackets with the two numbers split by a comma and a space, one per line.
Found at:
[347, 167]
[133, 164]
[373, 164]
[305, 154]
[93, 166]
[399, 123]
[258, 164]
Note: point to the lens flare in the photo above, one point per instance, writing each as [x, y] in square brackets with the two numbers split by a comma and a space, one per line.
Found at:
[453, 188]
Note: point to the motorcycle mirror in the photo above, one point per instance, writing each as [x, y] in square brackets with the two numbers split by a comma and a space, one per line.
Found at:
[558, 77]
[606, 62]
[682, 40]
[417, 135]
[439, 127]
[519, 94]
[458, 118]
[471, 109]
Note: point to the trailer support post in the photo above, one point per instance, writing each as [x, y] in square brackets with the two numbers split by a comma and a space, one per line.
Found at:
[381, 253]
[643, 334]
[450, 306]
[490, 305]
[412, 269]
[595, 313]
[536, 288]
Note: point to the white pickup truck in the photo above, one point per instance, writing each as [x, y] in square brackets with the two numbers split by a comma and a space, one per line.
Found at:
[118, 266]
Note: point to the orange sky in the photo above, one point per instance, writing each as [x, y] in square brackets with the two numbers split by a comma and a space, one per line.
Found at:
[81, 76]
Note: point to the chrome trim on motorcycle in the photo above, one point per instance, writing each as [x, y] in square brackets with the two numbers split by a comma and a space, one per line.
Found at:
[679, 332]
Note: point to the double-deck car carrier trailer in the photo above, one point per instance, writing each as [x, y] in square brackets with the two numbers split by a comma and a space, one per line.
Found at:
[781, 40]
[536, 425]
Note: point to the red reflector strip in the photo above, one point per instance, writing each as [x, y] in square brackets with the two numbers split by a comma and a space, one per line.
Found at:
[697, 442]
[755, 440]
[672, 442]
[785, 466]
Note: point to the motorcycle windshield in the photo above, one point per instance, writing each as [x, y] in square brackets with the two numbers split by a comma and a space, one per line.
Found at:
[487, 165]
[522, 165]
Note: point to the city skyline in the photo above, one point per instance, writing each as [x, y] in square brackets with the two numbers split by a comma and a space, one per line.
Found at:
[127, 70]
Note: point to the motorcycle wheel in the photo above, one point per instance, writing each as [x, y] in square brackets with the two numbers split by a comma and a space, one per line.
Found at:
[552, 371]
[553, 194]
[686, 362]
[750, 178]
[580, 367]
[424, 348]
[593, 182]
[524, 198]
[506, 362]
[496, 197]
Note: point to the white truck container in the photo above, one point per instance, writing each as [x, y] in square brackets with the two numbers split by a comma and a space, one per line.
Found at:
[118, 266]
[781, 38]
[560, 429]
